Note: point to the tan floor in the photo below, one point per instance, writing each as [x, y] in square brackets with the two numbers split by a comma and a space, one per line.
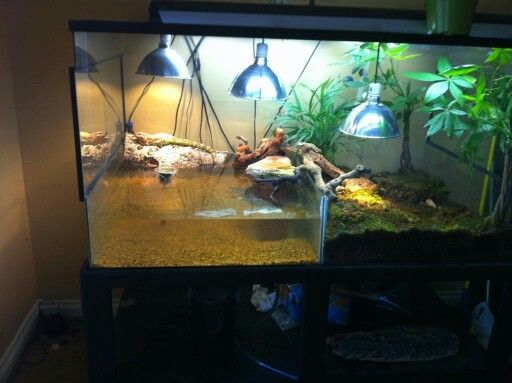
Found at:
[67, 364]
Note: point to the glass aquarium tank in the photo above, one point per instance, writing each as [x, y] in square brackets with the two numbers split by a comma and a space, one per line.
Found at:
[219, 150]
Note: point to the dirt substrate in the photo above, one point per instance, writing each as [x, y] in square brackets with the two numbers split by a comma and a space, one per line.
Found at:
[408, 217]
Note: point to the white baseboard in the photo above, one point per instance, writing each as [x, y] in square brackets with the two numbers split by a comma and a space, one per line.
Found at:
[20, 341]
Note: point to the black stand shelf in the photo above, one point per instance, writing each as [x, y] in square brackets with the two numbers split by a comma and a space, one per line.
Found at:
[97, 285]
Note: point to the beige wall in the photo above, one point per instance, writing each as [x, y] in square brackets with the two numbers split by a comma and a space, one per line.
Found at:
[40, 47]
[41, 52]
[17, 277]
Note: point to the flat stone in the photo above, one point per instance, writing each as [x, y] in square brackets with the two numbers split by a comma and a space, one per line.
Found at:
[272, 166]
[396, 344]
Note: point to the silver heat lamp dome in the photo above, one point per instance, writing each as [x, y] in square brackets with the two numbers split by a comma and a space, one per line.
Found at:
[371, 119]
[258, 81]
[164, 62]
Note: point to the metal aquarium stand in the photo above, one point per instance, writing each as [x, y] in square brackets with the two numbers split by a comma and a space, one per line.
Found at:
[312, 23]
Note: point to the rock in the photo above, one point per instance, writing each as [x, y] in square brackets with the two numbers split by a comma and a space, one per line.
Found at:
[138, 154]
[95, 147]
[95, 138]
[430, 203]
[272, 167]
[147, 139]
[396, 344]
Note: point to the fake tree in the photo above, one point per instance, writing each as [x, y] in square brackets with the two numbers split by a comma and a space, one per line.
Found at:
[475, 101]
[405, 100]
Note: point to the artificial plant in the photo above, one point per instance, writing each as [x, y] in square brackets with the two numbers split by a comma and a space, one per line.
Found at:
[475, 101]
[405, 100]
[317, 118]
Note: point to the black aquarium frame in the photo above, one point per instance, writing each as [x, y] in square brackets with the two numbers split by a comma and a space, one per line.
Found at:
[97, 283]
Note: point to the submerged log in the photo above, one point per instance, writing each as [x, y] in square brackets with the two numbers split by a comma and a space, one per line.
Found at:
[244, 156]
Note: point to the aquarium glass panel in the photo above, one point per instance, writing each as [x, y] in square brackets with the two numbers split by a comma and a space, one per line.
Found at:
[98, 87]
[236, 151]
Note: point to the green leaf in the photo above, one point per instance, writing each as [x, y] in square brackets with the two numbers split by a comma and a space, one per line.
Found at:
[436, 124]
[460, 81]
[459, 126]
[456, 93]
[458, 112]
[493, 55]
[461, 70]
[436, 90]
[480, 87]
[468, 78]
[443, 65]
[407, 57]
[502, 55]
[423, 76]
[488, 128]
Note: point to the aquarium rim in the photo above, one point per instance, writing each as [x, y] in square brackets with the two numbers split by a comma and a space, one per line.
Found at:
[207, 275]
[303, 33]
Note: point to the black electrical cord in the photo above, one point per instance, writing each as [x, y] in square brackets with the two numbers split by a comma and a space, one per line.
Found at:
[197, 71]
[377, 63]
[196, 47]
[255, 103]
[187, 112]
[254, 124]
[205, 96]
[191, 57]
[144, 91]
[292, 88]
[178, 107]
[106, 96]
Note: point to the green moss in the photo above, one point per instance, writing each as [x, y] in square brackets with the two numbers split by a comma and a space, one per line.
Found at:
[413, 186]
[361, 210]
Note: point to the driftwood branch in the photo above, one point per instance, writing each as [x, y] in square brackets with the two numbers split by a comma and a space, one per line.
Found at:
[311, 157]
[316, 156]
[358, 171]
[245, 156]
[243, 139]
[312, 161]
